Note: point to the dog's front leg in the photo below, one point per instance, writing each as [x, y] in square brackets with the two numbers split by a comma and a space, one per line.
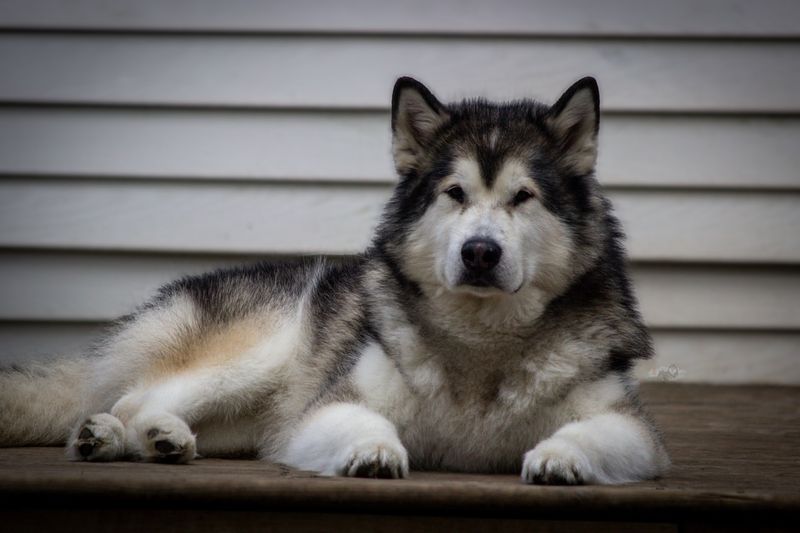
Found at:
[606, 448]
[344, 439]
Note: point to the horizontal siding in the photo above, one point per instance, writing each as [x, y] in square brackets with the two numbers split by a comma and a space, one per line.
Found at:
[706, 18]
[338, 219]
[358, 72]
[724, 357]
[21, 342]
[688, 356]
[635, 151]
[101, 287]
[140, 140]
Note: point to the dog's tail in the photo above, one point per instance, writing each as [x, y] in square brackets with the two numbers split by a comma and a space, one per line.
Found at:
[40, 403]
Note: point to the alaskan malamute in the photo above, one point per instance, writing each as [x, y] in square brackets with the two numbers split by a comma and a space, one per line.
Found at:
[490, 327]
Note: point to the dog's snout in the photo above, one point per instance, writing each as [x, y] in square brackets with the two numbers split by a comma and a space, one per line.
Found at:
[480, 255]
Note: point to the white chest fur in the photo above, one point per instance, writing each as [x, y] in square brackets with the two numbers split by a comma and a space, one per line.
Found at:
[443, 429]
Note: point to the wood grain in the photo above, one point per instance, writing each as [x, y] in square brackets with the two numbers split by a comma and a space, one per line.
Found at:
[734, 451]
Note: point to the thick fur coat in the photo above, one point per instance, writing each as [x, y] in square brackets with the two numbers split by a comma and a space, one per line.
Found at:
[490, 327]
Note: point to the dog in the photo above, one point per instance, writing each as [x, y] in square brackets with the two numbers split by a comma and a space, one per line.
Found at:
[489, 327]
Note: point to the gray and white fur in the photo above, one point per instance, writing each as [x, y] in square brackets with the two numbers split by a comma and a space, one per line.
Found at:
[490, 327]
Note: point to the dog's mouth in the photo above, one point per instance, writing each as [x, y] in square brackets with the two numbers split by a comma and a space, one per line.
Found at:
[480, 285]
[480, 280]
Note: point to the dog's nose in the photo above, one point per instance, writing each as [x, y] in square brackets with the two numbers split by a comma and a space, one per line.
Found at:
[480, 255]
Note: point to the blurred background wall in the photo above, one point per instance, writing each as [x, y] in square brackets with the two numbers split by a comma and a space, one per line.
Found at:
[145, 139]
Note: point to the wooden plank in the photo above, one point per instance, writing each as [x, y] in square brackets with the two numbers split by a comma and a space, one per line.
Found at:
[22, 342]
[662, 151]
[198, 520]
[285, 218]
[53, 286]
[699, 152]
[733, 451]
[89, 287]
[709, 18]
[358, 72]
[697, 297]
[722, 357]
[710, 226]
[204, 217]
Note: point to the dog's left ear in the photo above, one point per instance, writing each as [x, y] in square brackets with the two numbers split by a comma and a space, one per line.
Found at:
[416, 115]
[575, 121]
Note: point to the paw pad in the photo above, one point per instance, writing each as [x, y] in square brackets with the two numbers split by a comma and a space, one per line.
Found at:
[166, 439]
[98, 438]
[165, 447]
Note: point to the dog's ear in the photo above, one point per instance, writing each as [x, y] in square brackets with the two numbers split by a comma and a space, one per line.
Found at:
[574, 120]
[416, 115]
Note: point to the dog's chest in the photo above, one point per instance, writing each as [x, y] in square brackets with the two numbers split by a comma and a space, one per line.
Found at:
[460, 416]
[452, 434]
[458, 409]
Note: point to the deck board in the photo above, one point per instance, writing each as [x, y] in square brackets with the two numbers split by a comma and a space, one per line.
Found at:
[736, 454]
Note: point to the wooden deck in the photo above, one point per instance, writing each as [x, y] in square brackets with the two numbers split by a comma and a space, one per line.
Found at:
[736, 453]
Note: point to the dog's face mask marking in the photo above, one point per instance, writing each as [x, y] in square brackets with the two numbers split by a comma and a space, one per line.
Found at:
[485, 239]
[476, 202]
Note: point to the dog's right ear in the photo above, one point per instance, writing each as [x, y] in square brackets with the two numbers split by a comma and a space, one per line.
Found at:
[416, 115]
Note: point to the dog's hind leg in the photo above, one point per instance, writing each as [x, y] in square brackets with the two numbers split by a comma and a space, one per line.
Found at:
[158, 417]
[149, 436]
[347, 440]
[139, 427]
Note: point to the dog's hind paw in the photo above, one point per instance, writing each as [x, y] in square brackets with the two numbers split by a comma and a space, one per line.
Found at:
[162, 438]
[100, 437]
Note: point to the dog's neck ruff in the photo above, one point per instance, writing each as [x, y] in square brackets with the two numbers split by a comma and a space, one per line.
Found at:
[467, 316]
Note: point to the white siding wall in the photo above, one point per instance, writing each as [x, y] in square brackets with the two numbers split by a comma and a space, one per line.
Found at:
[144, 139]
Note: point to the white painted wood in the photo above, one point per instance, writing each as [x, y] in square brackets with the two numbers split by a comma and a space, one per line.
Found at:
[23, 342]
[699, 151]
[197, 144]
[293, 218]
[358, 72]
[249, 218]
[724, 358]
[524, 17]
[711, 226]
[90, 287]
[99, 287]
[634, 150]
[713, 297]
[229, 128]
[698, 356]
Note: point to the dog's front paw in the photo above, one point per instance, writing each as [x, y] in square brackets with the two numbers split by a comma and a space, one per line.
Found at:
[556, 462]
[378, 460]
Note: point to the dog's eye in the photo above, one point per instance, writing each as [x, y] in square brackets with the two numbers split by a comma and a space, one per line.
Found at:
[522, 196]
[456, 193]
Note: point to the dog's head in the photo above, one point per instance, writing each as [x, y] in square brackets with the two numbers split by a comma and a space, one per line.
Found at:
[493, 197]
